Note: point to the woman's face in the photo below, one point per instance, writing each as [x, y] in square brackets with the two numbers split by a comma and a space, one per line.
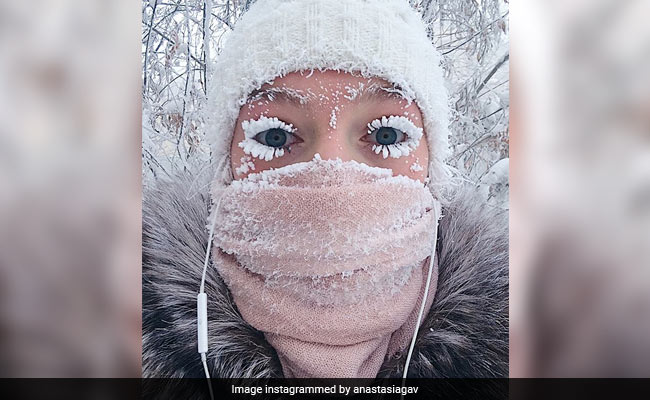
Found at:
[334, 114]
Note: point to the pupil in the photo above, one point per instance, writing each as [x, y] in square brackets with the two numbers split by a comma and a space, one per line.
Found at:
[386, 136]
[276, 137]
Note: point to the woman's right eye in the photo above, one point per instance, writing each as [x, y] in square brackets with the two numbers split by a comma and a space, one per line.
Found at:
[267, 138]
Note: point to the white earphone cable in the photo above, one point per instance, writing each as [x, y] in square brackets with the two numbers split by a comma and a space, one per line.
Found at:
[207, 374]
[207, 250]
[424, 301]
[202, 312]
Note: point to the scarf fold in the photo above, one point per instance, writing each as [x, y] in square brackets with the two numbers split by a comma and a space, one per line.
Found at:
[329, 259]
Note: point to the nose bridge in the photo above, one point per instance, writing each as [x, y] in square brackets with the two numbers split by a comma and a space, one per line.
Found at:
[333, 136]
[333, 142]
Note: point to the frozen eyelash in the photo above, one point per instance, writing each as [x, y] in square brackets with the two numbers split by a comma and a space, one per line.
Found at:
[413, 133]
[252, 127]
[256, 149]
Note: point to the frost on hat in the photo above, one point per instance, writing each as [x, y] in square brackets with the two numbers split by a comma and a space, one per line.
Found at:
[376, 38]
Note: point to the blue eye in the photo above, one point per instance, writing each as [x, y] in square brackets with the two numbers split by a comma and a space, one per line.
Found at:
[386, 136]
[275, 137]
[393, 136]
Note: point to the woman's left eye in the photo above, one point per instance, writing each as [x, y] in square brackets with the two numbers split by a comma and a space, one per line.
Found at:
[393, 136]
[386, 136]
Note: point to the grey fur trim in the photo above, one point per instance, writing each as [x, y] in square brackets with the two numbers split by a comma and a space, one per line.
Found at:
[465, 333]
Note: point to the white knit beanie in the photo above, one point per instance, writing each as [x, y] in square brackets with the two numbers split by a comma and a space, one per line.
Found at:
[376, 38]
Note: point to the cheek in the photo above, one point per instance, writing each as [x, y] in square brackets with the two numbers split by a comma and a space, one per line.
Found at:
[415, 165]
[241, 164]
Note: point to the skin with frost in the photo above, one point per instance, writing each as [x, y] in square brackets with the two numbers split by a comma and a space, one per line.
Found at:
[331, 119]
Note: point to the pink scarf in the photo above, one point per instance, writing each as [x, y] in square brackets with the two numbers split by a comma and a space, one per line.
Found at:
[328, 259]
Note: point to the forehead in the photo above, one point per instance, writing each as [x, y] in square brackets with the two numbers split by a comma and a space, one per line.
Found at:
[316, 79]
[305, 87]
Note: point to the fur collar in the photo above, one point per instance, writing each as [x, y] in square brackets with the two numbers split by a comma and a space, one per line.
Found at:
[465, 333]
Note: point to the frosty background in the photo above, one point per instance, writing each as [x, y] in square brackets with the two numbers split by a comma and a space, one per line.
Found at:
[71, 84]
[180, 40]
[70, 289]
[580, 198]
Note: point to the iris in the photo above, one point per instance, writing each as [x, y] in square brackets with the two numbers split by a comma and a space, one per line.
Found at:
[275, 137]
[386, 136]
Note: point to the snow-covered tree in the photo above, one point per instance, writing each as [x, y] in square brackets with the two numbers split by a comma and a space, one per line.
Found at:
[181, 38]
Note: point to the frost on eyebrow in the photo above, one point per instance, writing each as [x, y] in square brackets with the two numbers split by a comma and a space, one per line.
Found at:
[366, 91]
[393, 92]
[280, 93]
[353, 92]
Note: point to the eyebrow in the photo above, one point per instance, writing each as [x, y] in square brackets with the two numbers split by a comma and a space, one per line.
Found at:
[285, 94]
[376, 91]
[372, 92]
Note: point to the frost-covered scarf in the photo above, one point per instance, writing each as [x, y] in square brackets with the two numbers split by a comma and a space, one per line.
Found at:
[329, 259]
